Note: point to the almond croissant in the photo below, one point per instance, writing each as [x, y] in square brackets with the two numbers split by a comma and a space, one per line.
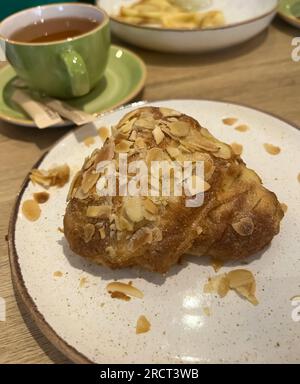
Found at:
[238, 217]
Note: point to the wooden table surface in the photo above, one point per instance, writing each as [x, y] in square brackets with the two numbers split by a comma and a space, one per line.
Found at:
[259, 73]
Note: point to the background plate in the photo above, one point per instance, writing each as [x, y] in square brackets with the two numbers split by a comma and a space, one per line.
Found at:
[87, 325]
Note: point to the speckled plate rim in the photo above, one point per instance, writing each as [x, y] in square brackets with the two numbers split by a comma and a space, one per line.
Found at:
[70, 352]
[139, 87]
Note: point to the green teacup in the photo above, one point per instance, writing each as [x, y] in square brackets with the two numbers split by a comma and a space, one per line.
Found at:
[64, 68]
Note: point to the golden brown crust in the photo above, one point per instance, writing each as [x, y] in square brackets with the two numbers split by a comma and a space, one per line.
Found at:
[238, 218]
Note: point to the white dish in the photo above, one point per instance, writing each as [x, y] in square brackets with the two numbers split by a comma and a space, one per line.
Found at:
[78, 323]
[245, 19]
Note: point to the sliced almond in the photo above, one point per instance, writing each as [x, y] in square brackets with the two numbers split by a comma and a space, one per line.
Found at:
[104, 133]
[218, 284]
[88, 232]
[183, 149]
[31, 210]
[173, 152]
[180, 128]
[140, 143]
[89, 181]
[150, 206]
[124, 225]
[237, 148]
[230, 121]
[134, 209]
[272, 149]
[195, 144]
[240, 277]
[106, 153]
[124, 146]
[224, 152]
[244, 226]
[74, 185]
[149, 216]
[133, 136]
[145, 123]
[41, 197]
[167, 112]
[243, 282]
[205, 132]
[158, 135]
[126, 289]
[155, 154]
[79, 194]
[128, 126]
[98, 211]
[142, 325]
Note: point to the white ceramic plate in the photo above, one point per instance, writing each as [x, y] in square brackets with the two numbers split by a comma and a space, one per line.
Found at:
[87, 325]
[245, 19]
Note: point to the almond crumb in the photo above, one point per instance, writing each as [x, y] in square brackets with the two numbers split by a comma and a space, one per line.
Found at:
[88, 141]
[126, 289]
[41, 197]
[230, 121]
[242, 128]
[272, 149]
[207, 311]
[58, 274]
[82, 282]
[31, 210]
[142, 325]
[237, 148]
[61, 230]
[298, 177]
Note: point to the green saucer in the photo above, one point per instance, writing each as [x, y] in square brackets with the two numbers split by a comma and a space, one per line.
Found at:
[289, 10]
[123, 80]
